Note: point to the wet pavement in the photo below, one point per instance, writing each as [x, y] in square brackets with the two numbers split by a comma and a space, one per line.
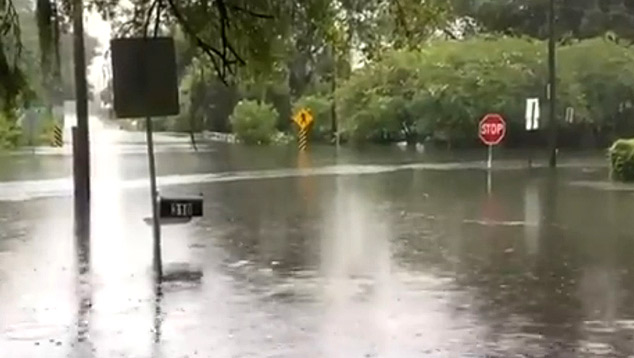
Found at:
[373, 253]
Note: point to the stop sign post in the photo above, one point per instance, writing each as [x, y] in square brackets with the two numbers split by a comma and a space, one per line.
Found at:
[491, 131]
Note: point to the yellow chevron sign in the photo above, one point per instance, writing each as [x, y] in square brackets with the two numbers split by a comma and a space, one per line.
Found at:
[58, 136]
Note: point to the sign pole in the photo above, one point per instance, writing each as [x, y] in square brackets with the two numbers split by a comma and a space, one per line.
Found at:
[156, 226]
[490, 158]
[489, 166]
[530, 151]
[489, 182]
[530, 158]
[303, 140]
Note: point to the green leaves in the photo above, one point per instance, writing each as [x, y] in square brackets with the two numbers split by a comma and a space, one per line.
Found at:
[445, 89]
[602, 74]
[622, 160]
[575, 18]
[253, 122]
[321, 108]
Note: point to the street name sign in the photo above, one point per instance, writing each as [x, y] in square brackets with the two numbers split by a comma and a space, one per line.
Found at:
[180, 208]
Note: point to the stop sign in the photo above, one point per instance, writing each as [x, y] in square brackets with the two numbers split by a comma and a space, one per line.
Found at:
[492, 129]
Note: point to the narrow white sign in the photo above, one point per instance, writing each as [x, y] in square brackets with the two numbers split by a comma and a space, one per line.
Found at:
[570, 115]
[532, 114]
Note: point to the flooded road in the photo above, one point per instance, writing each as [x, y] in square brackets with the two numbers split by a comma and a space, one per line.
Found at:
[378, 253]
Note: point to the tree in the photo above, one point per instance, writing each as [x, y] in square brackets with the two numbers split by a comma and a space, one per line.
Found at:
[48, 25]
[576, 18]
[444, 90]
[59, 84]
[13, 87]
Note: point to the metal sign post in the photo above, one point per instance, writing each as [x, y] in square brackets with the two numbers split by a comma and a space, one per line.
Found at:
[156, 226]
[490, 158]
[145, 85]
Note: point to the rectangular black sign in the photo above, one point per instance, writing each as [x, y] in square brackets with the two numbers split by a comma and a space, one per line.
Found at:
[144, 77]
[180, 207]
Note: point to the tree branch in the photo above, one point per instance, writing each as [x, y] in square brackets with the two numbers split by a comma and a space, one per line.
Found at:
[449, 33]
[148, 16]
[10, 25]
[220, 59]
[249, 12]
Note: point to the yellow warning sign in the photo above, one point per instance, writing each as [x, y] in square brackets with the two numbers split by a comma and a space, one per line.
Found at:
[303, 118]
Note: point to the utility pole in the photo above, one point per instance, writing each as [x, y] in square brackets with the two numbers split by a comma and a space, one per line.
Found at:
[81, 170]
[333, 108]
[552, 85]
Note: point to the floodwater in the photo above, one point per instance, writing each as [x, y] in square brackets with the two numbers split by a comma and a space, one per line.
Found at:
[373, 253]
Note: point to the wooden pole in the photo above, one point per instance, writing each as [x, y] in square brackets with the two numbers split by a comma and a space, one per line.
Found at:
[552, 85]
[82, 152]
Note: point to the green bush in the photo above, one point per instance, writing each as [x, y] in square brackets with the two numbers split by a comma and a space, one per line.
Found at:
[46, 129]
[253, 122]
[10, 133]
[444, 89]
[605, 81]
[321, 108]
[622, 160]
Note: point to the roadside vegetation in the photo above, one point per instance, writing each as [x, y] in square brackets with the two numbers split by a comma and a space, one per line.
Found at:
[622, 160]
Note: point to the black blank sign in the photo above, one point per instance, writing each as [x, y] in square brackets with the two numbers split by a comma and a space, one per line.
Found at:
[144, 77]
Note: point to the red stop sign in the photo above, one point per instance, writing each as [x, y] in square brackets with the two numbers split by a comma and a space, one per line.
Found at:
[492, 129]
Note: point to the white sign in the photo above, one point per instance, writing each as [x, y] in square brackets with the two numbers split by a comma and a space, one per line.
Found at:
[29, 125]
[532, 114]
[570, 115]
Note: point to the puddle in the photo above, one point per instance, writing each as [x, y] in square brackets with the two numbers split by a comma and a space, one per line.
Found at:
[33, 332]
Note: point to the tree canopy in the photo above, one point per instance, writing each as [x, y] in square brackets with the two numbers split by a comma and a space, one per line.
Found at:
[578, 19]
[444, 90]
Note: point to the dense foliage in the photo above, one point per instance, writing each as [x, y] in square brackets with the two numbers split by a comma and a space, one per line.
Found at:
[444, 90]
[576, 19]
[622, 160]
[9, 132]
[35, 60]
[254, 123]
[321, 109]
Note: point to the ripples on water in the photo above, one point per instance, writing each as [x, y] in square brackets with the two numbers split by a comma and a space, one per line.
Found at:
[391, 260]
[32, 189]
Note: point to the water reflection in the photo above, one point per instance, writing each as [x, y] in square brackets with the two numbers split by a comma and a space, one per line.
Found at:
[532, 218]
[158, 321]
[356, 263]
[389, 259]
[83, 343]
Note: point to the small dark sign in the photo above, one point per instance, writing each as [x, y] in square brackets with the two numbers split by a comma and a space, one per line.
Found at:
[180, 207]
[144, 77]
